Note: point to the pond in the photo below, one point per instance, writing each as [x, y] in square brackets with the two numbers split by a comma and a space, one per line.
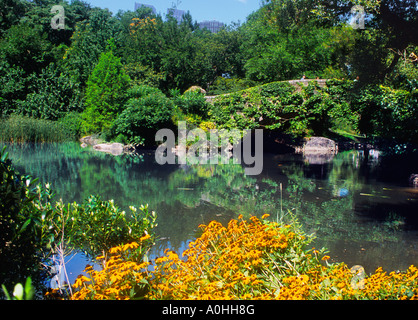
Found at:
[360, 208]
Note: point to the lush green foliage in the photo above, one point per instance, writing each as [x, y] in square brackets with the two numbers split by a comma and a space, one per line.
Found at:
[33, 227]
[47, 73]
[96, 225]
[280, 105]
[25, 222]
[146, 111]
[105, 93]
[373, 110]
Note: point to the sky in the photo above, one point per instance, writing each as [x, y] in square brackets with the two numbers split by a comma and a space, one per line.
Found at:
[226, 11]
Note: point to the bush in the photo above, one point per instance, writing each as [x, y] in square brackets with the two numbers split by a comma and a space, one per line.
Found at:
[72, 121]
[192, 102]
[224, 85]
[52, 95]
[148, 111]
[96, 225]
[26, 226]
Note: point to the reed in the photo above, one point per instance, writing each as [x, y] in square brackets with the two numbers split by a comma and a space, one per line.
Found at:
[20, 129]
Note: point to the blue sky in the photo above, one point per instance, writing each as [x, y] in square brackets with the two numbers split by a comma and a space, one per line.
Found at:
[226, 11]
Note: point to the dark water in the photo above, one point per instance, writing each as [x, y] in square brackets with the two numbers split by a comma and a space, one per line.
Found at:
[360, 208]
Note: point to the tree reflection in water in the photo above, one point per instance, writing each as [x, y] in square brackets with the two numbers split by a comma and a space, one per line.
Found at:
[345, 201]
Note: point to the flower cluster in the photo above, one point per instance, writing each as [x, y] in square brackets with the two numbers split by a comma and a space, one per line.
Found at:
[123, 276]
[335, 282]
[254, 259]
[227, 263]
[138, 23]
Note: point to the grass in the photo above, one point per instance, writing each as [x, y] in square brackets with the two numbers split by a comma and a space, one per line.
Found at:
[20, 129]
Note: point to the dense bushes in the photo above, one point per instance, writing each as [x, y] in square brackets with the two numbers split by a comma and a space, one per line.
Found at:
[388, 112]
[277, 105]
[147, 111]
[372, 110]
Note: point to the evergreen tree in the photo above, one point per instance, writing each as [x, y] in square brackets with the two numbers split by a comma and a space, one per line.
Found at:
[105, 92]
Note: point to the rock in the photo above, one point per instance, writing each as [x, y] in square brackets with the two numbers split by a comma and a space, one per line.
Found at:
[319, 150]
[89, 140]
[115, 149]
[320, 145]
[196, 89]
[413, 180]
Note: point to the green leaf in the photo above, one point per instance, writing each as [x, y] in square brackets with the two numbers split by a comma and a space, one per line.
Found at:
[18, 291]
[25, 225]
[29, 290]
[6, 293]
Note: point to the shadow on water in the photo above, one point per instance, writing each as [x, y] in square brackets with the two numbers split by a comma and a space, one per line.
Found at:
[354, 206]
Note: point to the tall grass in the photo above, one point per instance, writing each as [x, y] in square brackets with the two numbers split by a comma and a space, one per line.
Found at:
[19, 129]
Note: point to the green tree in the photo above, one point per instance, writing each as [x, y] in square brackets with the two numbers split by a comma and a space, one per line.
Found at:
[11, 11]
[105, 93]
[143, 38]
[26, 46]
[51, 95]
[88, 41]
[285, 40]
[391, 27]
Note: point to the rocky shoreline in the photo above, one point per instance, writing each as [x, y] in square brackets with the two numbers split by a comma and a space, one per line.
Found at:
[316, 150]
[114, 148]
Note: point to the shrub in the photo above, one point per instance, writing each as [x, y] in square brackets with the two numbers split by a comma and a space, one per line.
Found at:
[148, 111]
[26, 223]
[52, 95]
[96, 225]
[224, 85]
[192, 102]
[72, 122]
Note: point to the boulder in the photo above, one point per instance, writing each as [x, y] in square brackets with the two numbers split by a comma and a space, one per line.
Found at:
[413, 180]
[113, 148]
[89, 140]
[319, 150]
[196, 89]
[320, 145]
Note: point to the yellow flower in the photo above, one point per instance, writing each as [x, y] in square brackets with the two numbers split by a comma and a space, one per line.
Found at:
[147, 236]
[80, 281]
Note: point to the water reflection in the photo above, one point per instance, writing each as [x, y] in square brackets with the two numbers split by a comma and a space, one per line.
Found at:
[345, 201]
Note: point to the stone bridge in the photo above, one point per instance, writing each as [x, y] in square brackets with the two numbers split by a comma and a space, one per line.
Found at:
[295, 83]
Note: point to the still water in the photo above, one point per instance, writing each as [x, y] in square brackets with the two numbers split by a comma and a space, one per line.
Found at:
[360, 208]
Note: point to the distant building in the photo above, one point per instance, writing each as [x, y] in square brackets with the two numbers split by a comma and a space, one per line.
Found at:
[176, 13]
[139, 5]
[213, 26]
